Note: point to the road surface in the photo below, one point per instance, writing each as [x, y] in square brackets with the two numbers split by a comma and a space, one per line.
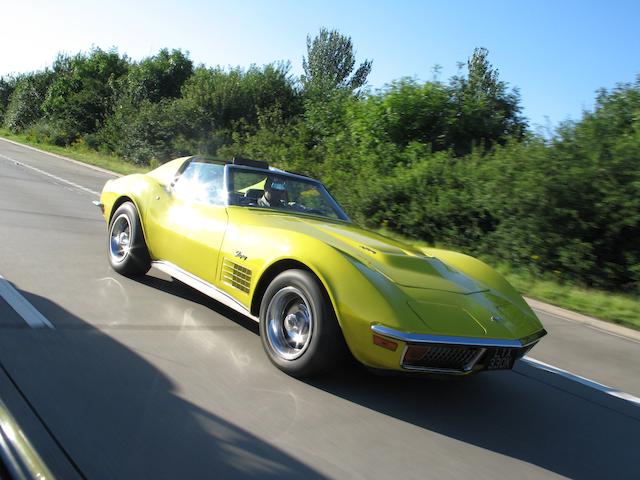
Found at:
[149, 379]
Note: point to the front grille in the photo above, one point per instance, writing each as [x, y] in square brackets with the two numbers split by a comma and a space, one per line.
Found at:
[460, 358]
[236, 275]
[441, 357]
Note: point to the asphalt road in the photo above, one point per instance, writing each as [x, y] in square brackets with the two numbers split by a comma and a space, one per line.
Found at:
[149, 379]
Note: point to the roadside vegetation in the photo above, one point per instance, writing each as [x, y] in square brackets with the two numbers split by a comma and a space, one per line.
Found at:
[451, 162]
[79, 152]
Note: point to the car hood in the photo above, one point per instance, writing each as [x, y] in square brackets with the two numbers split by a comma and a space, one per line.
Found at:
[402, 264]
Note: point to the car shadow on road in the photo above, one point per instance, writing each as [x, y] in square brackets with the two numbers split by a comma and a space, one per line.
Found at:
[118, 416]
[507, 413]
[176, 288]
[503, 412]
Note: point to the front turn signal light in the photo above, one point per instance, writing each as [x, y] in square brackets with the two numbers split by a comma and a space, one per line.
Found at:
[385, 343]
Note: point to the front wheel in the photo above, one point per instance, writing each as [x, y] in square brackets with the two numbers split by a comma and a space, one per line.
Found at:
[298, 326]
[128, 253]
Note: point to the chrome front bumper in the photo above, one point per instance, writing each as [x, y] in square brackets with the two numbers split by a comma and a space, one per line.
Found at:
[454, 355]
[98, 204]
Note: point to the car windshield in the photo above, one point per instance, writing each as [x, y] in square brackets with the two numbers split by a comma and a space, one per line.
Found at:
[280, 191]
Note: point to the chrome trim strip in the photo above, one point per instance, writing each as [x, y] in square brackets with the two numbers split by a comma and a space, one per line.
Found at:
[436, 370]
[469, 366]
[17, 455]
[533, 338]
[451, 340]
[99, 204]
[202, 286]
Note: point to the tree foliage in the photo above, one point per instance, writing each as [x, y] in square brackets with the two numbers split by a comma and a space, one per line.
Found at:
[25, 102]
[450, 162]
[330, 63]
[486, 111]
[83, 92]
[7, 86]
[222, 98]
[158, 77]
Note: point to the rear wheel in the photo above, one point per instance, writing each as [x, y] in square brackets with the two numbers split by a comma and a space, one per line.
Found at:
[128, 253]
[298, 326]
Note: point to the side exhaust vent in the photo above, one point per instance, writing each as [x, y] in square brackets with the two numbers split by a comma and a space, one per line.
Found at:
[236, 275]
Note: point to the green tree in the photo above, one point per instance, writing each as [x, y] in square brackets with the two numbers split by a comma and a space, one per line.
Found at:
[83, 93]
[150, 131]
[406, 111]
[25, 103]
[330, 62]
[158, 77]
[7, 86]
[221, 99]
[486, 111]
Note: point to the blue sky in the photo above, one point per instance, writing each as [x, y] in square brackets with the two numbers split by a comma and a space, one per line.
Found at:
[558, 53]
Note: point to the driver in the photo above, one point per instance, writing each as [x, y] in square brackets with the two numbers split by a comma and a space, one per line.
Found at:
[275, 193]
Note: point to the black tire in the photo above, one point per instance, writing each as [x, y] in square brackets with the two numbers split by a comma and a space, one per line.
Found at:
[127, 249]
[293, 299]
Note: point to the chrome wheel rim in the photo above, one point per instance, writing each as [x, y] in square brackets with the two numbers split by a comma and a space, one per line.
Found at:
[289, 323]
[120, 238]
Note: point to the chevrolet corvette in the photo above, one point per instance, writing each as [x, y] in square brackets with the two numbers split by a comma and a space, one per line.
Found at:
[276, 247]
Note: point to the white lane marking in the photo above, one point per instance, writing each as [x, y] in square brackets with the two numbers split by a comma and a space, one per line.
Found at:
[582, 380]
[50, 175]
[67, 159]
[555, 315]
[22, 306]
[593, 327]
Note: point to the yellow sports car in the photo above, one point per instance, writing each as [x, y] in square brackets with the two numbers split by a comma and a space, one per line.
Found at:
[278, 248]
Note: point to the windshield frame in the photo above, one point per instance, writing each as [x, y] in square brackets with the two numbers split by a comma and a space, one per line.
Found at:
[228, 179]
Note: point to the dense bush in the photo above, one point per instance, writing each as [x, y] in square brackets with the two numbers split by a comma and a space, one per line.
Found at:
[82, 94]
[25, 102]
[449, 162]
[156, 78]
[146, 132]
[7, 86]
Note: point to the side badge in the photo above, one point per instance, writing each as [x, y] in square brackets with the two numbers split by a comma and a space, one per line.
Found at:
[240, 255]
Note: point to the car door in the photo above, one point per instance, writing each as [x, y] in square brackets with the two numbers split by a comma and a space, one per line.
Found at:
[190, 219]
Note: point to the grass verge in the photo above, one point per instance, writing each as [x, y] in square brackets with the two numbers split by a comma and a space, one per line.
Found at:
[79, 152]
[610, 306]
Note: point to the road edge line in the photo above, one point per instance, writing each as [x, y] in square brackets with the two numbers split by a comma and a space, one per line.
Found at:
[50, 175]
[61, 157]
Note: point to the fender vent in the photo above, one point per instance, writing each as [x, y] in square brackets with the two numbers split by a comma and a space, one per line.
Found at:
[236, 275]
